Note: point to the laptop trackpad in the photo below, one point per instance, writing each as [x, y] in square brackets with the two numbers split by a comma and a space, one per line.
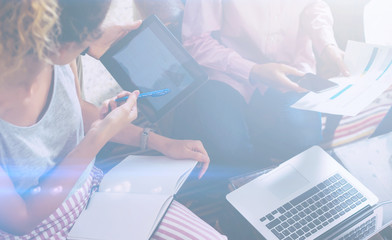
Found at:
[285, 181]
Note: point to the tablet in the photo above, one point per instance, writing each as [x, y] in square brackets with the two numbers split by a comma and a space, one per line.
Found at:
[149, 59]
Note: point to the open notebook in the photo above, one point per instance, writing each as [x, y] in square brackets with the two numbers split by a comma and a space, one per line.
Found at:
[132, 198]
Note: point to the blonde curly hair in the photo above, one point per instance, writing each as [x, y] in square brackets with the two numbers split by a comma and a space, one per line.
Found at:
[27, 27]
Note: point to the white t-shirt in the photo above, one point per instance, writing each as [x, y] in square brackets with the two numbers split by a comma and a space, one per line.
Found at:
[28, 153]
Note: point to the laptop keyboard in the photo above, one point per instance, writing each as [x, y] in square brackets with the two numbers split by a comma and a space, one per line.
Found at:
[314, 209]
[362, 231]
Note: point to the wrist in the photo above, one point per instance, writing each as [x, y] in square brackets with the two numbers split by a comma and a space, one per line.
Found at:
[97, 136]
[100, 132]
[157, 142]
[144, 138]
[258, 74]
[91, 144]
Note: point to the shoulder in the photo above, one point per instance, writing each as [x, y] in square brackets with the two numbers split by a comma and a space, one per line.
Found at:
[65, 77]
[64, 70]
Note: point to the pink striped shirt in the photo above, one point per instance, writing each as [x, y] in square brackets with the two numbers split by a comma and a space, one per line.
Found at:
[228, 37]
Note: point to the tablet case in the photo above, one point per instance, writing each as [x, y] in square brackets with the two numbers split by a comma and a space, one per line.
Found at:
[151, 58]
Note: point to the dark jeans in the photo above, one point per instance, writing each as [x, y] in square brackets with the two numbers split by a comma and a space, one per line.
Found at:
[240, 136]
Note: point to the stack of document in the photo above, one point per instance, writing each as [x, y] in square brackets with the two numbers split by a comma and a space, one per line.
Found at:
[370, 75]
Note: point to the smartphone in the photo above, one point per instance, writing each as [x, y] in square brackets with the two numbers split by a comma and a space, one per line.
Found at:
[313, 82]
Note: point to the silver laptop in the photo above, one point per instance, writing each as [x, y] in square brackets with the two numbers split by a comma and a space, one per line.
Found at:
[362, 225]
[310, 196]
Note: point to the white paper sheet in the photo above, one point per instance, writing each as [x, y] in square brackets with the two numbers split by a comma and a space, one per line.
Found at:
[371, 74]
[147, 175]
[132, 198]
[120, 216]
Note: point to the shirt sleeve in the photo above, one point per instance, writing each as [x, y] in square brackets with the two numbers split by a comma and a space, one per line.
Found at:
[201, 20]
[318, 23]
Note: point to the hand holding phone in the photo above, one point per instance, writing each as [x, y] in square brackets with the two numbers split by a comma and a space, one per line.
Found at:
[313, 82]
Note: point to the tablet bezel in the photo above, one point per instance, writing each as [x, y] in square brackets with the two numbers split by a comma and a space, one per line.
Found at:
[175, 47]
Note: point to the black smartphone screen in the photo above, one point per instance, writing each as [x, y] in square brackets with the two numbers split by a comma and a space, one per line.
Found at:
[313, 82]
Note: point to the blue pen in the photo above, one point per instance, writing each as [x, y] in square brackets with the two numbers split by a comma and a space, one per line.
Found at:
[157, 93]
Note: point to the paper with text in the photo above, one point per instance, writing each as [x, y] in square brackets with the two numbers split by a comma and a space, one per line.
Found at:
[370, 75]
[148, 175]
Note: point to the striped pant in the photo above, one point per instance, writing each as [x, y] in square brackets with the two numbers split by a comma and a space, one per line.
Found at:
[180, 223]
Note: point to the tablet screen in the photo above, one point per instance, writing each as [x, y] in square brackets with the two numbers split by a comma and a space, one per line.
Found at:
[151, 59]
[165, 71]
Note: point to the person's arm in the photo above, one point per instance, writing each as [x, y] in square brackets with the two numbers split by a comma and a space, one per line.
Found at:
[198, 30]
[317, 21]
[131, 134]
[21, 214]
